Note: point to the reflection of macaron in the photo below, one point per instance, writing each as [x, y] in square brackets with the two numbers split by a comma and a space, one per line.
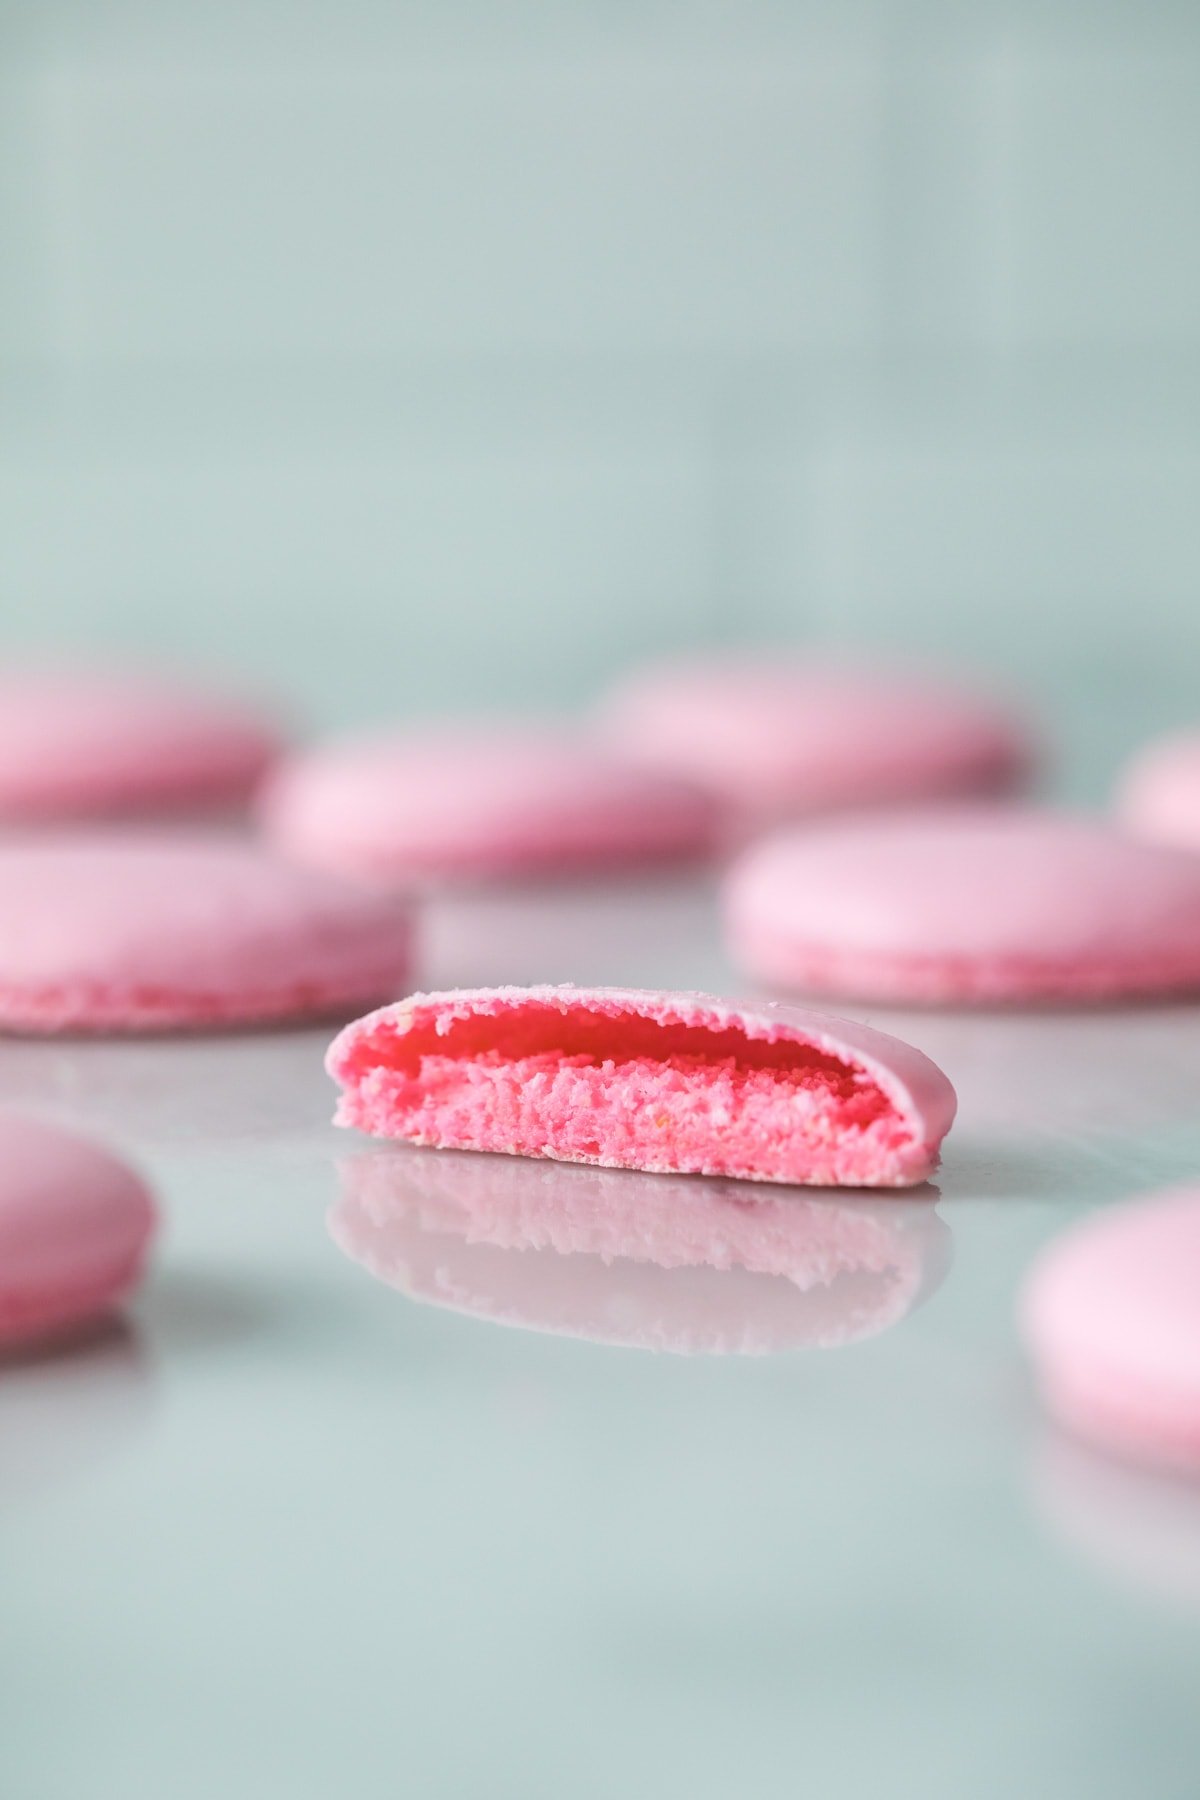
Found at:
[75, 1226]
[779, 737]
[1141, 1526]
[92, 743]
[103, 932]
[634, 1079]
[476, 802]
[1111, 1315]
[637, 1260]
[966, 905]
[1159, 793]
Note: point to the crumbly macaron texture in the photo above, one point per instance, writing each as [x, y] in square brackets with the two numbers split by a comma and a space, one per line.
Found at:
[75, 1229]
[135, 931]
[784, 737]
[970, 904]
[634, 1259]
[92, 743]
[1110, 1313]
[472, 802]
[681, 1084]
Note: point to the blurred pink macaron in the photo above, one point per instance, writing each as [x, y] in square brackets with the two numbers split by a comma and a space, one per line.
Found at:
[782, 736]
[950, 905]
[78, 744]
[1158, 796]
[671, 1083]
[135, 931]
[75, 1229]
[1111, 1315]
[478, 801]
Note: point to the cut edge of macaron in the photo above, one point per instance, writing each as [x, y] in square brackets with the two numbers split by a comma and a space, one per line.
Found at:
[636, 1079]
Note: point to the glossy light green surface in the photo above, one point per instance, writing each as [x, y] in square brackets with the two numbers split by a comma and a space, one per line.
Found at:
[294, 1534]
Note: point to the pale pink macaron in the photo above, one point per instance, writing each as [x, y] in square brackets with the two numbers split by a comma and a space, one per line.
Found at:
[947, 905]
[1158, 796]
[120, 931]
[75, 1229]
[94, 743]
[632, 1079]
[1111, 1315]
[782, 736]
[481, 801]
[638, 1260]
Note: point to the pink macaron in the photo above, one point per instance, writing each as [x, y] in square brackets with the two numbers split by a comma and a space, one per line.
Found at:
[966, 905]
[632, 1079]
[1158, 796]
[75, 1228]
[90, 744]
[782, 736]
[1111, 1315]
[117, 931]
[637, 1260]
[478, 801]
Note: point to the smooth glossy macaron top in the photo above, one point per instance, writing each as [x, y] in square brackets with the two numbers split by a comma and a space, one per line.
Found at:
[120, 930]
[1158, 796]
[96, 743]
[783, 736]
[633, 1259]
[1111, 1315]
[75, 1228]
[980, 903]
[628, 1078]
[474, 800]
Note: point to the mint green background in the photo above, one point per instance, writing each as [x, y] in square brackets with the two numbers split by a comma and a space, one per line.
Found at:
[401, 356]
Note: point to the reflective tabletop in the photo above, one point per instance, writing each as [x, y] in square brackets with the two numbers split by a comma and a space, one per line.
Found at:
[463, 1476]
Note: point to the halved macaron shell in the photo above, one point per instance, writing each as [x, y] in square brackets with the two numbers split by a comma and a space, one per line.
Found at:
[638, 1260]
[75, 1229]
[95, 743]
[626, 1078]
[1111, 1316]
[947, 905]
[449, 802]
[147, 931]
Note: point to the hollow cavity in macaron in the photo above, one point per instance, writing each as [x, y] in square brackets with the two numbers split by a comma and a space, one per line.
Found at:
[635, 1079]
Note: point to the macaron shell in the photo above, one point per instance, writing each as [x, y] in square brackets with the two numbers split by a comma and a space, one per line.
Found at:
[90, 744]
[921, 1099]
[782, 737]
[1111, 1316]
[981, 903]
[75, 1229]
[1159, 794]
[109, 932]
[468, 801]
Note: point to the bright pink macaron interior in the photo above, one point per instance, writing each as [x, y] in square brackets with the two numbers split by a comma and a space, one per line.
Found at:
[627, 1091]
